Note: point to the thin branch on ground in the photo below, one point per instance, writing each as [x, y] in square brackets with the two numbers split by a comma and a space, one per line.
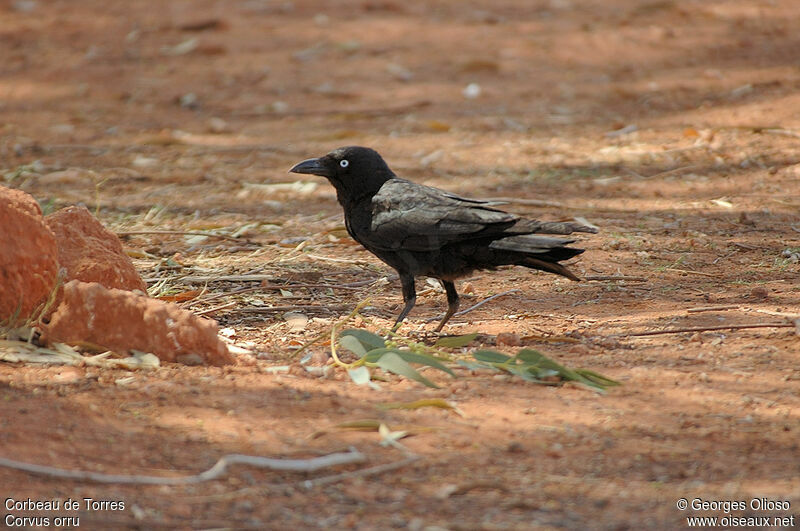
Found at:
[189, 279]
[294, 308]
[369, 111]
[322, 286]
[779, 314]
[185, 233]
[782, 132]
[216, 308]
[690, 272]
[216, 296]
[718, 308]
[706, 329]
[348, 286]
[215, 472]
[336, 260]
[310, 484]
[616, 277]
[364, 472]
[674, 171]
[475, 306]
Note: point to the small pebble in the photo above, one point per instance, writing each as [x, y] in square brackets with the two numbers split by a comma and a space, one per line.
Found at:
[218, 125]
[471, 91]
[515, 447]
[759, 292]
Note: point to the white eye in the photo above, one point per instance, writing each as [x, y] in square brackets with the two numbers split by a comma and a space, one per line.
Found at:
[344, 163]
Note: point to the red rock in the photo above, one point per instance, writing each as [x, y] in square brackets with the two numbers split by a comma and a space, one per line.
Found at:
[28, 257]
[21, 200]
[119, 320]
[509, 338]
[91, 253]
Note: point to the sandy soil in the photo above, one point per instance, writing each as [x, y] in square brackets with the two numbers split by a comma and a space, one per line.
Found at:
[671, 125]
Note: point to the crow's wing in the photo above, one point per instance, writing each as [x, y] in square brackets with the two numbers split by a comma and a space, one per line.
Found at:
[414, 217]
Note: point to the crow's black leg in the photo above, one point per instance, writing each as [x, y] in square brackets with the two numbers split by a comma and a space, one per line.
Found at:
[409, 296]
[452, 302]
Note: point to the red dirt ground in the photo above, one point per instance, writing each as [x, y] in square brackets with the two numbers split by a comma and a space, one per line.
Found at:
[674, 126]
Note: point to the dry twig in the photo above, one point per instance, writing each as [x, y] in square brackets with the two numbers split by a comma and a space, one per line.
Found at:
[718, 308]
[372, 471]
[185, 233]
[297, 308]
[475, 306]
[674, 171]
[216, 308]
[706, 329]
[616, 277]
[690, 272]
[215, 472]
[782, 132]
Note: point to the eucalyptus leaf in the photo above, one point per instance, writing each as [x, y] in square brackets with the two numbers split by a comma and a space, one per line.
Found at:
[530, 356]
[523, 372]
[424, 359]
[392, 362]
[456, 341]
[353, 345]
[477, 365]
[359, 375]
[412, 357]
[368, 339]
[542, 372]
[598, 378]
[374, 355]
[491, 356]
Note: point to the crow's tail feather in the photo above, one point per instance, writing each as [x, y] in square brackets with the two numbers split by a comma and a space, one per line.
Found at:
[539, 252]
[551, 267]
[532, 226]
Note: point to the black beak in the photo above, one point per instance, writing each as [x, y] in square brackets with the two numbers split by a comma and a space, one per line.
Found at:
[311, 167]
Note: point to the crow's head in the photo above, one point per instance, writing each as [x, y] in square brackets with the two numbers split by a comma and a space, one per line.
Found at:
[354, 171]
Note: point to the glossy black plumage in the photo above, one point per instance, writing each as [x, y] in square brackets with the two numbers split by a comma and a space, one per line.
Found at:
[420, 230]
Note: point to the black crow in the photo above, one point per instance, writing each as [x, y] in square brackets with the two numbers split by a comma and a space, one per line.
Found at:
[420, 230]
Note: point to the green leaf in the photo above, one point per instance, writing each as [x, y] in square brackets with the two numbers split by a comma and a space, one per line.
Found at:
[523, 372]
[541, 372]
[375, 354]
[412, 357]
[541, 366]
[424, 359]
[598, 378]
[456, 341]
[392, 362]
[353, 345]
[477, 365]
[530, 356]
[491, 356]
[368, 339]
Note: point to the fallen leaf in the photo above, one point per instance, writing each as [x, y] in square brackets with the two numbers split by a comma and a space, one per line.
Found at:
[722, 202]
[297, 321]
[187, 46]
[426, 402]
[182, 297]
